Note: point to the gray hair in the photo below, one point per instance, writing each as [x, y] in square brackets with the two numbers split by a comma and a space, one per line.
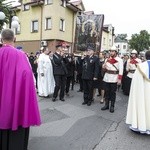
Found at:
[7, 35]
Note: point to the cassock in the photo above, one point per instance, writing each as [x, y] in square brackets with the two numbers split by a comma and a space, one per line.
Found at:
[138, 112]
[18, 101]
[46, 83]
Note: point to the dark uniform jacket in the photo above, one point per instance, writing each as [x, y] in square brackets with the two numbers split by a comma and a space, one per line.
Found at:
[69, 61]
[59, 67]
[79, 65]
[90, 67]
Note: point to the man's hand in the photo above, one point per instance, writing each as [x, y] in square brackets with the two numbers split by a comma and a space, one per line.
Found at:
[119, 82]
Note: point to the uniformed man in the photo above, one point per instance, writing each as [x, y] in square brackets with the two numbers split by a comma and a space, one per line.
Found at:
[60, 73]
[90, 73]
[113, 74]
[69, 61]
[130, 68]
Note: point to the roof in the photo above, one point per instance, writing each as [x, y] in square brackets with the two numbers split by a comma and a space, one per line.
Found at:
[75, 2]
[119, 40]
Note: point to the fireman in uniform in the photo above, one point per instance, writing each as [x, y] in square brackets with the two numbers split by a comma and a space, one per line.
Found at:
[90, 72]
[130, 68]
[113, 67]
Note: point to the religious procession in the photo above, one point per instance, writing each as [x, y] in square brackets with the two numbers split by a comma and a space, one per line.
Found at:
[65, 51]
[53, 75]
[105, 72]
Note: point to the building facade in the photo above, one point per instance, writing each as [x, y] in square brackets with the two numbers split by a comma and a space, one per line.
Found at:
[122, 45]
[107, 37]
[46, 23]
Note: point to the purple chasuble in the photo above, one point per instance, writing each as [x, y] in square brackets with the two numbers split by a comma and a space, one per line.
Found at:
[18, 100]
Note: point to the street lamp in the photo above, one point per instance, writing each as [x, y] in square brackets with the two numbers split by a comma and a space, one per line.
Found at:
[14, 21]
[2, 15]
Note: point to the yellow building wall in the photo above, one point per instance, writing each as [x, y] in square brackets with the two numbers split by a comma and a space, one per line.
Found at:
[56, 12]
[105, 43]
[25, 18]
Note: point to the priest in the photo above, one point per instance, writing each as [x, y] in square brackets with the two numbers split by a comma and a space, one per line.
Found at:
[18, 102]
[138, 113]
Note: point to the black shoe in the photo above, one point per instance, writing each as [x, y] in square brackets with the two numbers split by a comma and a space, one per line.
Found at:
[67, 94]
[47, 96]
[111, 109]
[62, 99]
[84, 103]
[89, 103]
[105, 107]
[53, 99]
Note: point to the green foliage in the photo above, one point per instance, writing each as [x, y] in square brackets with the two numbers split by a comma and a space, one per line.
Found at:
[140, 41]
[5, 8]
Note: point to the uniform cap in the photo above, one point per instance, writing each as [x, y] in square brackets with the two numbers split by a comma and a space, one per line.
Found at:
[90, 48]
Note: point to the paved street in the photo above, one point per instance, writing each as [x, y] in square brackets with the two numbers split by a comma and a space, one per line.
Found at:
[70, 125]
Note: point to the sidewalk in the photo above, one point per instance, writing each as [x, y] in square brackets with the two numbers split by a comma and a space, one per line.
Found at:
[71, 126]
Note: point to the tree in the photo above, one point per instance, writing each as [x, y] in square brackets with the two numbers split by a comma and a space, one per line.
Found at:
[140, 41]
[6, 9]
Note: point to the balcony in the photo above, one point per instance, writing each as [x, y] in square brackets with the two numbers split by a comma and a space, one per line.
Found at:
[36, 2]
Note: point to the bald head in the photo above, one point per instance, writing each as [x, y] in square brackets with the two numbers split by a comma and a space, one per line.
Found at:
[7, 35]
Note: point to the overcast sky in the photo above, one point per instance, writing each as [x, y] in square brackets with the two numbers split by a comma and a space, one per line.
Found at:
[127, 16]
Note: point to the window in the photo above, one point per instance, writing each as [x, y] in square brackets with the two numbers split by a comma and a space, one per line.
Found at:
[62, 25]
[124, 46]
[63, 3]
[48, 2]
[48, 23]
[26, 7]
[110, 43]
[18, 30]
[34, 26]
[104, 41]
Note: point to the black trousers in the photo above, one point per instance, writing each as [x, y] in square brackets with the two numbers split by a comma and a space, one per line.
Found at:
[80, 81]
[87, 90]
[60, 84]
[110, 91]
[14, 140]
[127, 85]
[68, 81]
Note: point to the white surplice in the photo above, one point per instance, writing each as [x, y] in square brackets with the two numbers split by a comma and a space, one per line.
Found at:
[138, 110]
[46, 83]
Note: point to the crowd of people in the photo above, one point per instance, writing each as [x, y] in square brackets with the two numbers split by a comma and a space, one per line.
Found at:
[56, 73]
[105, 72]
[48, 73]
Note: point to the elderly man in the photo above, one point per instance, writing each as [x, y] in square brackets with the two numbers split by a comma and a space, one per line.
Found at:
[60, 73]
[90, 72]
[45, 80]
[18, 101]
